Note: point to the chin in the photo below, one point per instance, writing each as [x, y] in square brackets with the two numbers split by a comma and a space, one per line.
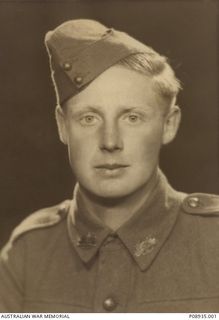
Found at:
[111, 191]
[112, 194]
[112, 188]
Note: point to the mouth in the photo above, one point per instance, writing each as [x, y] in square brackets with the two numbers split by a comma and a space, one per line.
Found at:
[111, 166]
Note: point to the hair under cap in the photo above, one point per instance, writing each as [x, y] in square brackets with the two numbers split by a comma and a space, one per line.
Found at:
[80, 50]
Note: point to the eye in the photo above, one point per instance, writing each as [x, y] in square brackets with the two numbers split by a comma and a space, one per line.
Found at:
[132, 118]
[88, 120]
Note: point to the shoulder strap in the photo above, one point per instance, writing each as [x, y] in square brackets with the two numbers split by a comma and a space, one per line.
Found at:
[201, 204]
[40, 219]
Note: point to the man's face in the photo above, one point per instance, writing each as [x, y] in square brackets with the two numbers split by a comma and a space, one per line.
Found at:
[114, 130]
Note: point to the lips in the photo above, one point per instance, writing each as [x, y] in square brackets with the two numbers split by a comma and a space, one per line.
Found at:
[111, 166]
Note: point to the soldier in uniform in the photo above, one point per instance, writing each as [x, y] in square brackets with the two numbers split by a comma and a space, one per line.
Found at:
[127, 241]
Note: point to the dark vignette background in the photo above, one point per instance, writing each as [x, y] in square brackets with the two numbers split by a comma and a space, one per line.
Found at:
[34, 166]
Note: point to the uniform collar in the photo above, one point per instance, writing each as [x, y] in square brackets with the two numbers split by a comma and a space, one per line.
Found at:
[143, 234]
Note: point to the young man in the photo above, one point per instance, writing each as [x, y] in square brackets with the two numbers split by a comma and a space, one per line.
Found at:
[127, 242]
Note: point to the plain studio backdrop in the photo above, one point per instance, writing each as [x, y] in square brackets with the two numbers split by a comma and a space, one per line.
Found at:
[34, 166]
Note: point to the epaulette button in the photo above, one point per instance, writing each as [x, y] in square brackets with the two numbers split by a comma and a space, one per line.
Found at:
[108, 31]
[193, 202]
[62, 208]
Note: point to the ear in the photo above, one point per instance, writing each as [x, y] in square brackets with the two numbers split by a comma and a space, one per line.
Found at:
[171, 125]
[61, 124]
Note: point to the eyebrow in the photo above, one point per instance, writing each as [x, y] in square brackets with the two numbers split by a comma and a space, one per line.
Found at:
[85, 108]
[97, 109]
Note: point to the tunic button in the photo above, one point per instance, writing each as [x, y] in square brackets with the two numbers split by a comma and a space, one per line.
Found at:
[78, 80]
[193, 202]
[109, 304]
[67, 66]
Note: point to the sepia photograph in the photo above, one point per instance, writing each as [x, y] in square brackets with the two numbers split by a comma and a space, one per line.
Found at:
[109, 156]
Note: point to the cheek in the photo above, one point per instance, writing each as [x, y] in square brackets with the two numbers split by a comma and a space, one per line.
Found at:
[81, 147]
[145, 144]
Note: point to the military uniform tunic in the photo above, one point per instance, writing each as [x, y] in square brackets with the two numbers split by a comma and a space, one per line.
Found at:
[164, 259]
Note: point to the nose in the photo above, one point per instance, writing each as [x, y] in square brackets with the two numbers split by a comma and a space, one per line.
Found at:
[111, 138]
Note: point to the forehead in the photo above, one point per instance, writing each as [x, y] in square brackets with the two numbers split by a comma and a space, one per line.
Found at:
[115, 88]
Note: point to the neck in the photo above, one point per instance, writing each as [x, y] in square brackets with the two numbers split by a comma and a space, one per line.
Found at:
[114, 212]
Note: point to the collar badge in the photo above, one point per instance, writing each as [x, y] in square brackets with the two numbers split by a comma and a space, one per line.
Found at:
[87, 241]
[145, 246]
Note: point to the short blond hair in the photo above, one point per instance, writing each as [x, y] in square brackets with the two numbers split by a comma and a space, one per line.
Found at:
[158, 69]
